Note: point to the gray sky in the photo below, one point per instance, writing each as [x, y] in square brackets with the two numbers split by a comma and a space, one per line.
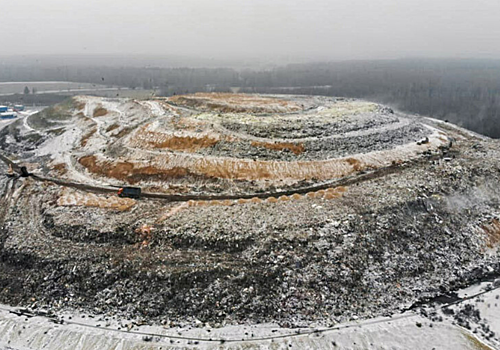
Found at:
[314, 29]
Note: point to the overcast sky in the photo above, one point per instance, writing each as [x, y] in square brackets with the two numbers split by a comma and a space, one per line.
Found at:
[305, 29]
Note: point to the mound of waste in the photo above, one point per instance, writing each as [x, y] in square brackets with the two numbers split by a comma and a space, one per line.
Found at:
[255, 208]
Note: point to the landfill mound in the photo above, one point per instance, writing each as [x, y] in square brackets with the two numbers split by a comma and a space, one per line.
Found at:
[191, 144]
[318, 210]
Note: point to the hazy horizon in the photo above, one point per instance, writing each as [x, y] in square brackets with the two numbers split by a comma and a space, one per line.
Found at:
[276, 32]
[178, 61]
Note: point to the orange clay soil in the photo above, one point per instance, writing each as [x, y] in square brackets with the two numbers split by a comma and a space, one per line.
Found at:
[184, 123]
[79, 105]
[330, 193]
[356, 164]
[87, 136]
[100, 112]
[296, 148]
[129, 172]
[60, 168]
[221, 168]
[112, 127]
[75, 198]
[122, 132]
[187, 143]
[235, 103]
[168, 166]
[492, 233]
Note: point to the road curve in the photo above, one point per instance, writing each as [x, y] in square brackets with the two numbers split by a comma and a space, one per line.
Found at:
[344, 181]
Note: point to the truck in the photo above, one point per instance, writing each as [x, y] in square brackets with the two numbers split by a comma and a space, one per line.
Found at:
[129, 192]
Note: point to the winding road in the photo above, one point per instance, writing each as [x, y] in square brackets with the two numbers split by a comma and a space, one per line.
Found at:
[344, 181]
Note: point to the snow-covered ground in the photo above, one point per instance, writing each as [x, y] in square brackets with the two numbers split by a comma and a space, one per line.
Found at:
[154, 133]
[107, 126]
[20, 115]
[404, 331]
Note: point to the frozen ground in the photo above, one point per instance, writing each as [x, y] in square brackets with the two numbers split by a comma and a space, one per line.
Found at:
[414, 215]
[247, 144]
[409, 330]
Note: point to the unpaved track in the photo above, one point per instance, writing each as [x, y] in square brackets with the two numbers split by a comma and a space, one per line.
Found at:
[328, 335]
[345, 181]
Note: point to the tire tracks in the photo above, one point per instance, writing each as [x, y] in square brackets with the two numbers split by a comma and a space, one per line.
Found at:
[344, 181]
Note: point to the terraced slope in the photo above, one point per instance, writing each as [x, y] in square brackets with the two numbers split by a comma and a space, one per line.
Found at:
[229, 144]
[414, 212]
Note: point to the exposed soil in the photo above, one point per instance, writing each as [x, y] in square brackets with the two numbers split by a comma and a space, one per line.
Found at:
[280, 146]
[492, 230]
[236, 103]
[375, 247]
[129, 172]
[73, 198]
[100, 111]
[180, 143]
[112, 127]
[87, 136]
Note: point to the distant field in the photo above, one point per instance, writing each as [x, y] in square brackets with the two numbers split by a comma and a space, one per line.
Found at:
[7, 88]
[62, 88]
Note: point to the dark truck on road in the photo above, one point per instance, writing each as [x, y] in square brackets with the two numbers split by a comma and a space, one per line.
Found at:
[129, 192]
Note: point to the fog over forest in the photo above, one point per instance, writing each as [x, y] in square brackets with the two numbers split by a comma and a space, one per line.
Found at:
[181, 46]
